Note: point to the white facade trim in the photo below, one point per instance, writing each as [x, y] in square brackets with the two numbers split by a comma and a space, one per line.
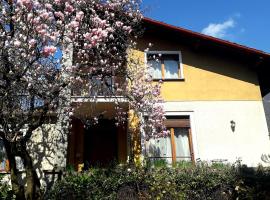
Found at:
[97, 99]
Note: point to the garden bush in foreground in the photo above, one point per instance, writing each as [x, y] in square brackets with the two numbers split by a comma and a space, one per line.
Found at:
[181, 182]
[5, 190]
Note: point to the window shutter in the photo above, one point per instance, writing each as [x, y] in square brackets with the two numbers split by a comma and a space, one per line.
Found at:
[177, 123]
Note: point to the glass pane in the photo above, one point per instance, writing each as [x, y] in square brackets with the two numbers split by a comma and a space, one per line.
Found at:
[95, 86]
[159, 148]
[171, 69]
[3, 159]
[182, 144]
[155, 69]
[108, 85]
[101, 86]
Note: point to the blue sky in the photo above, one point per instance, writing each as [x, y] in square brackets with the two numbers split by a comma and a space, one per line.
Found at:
[245, 22]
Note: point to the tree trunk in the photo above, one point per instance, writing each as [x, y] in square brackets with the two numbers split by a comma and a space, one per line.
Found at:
[131, 160]
[32, 191]
[17, 188]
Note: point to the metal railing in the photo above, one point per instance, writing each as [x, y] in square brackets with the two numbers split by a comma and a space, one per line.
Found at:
[95, 87]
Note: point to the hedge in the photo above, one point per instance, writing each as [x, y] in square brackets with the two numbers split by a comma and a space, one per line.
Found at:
[218, 182]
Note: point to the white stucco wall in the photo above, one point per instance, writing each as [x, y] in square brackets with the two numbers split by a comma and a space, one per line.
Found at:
[48, 147]
[213, 137]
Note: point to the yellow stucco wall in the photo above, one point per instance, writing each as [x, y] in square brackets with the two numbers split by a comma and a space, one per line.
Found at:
[207, 76]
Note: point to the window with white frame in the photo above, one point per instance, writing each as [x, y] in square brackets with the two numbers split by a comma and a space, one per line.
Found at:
[177, 146]
[165, 65]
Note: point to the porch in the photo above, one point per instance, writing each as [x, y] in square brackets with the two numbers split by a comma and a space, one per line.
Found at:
[101, 144]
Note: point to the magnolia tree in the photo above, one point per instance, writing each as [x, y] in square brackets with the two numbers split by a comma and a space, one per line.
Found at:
[145, 97]
[50, 47]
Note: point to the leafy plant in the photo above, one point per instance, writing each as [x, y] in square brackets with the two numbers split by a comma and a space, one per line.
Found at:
[183, 181]
[5, 190]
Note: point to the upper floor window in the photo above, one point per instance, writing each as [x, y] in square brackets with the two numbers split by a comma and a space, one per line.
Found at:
[165, 65]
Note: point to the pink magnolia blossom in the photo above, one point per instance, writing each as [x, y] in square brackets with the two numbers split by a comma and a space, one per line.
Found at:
[119, 24]
[32, 42]
[27, 3]
[60, 15]
[79, 15]
[17, 43]
[49, 6]
[58, 2]
[49, 50]
[74, 24]
[45, 15]
[68, 8]
[87, 36]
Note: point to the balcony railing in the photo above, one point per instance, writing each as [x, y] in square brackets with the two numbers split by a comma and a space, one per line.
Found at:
[96, 86]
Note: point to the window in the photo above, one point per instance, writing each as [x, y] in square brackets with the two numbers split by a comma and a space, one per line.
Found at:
[25, 102]
[165, 65]
[177, 146]
[4, 163]
[180, 143]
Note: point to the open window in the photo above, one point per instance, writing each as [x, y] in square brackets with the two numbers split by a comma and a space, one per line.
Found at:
[165, 65]
[176, 147]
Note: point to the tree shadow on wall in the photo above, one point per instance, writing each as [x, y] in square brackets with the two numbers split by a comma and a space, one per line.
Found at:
[48, 147]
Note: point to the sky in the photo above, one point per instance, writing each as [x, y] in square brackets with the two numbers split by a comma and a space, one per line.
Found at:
[245, 22]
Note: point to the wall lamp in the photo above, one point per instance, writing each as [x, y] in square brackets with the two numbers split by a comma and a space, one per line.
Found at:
[232, 125]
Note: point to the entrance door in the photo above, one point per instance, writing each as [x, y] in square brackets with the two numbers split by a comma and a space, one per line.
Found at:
[100, 144]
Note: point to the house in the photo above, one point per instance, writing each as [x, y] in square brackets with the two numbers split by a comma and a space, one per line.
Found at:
[213, 91]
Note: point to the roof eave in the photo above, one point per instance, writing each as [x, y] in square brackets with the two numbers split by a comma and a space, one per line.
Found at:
[217, 41]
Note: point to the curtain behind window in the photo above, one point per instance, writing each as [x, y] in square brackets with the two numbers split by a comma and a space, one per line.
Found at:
[160, 148]
[182, 144]
[155, 69]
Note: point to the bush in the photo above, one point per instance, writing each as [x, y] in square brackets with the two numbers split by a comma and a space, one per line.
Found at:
[5, 190]
[218, 182]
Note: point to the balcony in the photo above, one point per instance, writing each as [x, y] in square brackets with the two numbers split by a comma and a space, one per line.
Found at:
[102, 89]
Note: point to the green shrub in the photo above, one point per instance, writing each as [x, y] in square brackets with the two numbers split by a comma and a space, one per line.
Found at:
[97, 184]
[158, 163]
[183, 164]
[204, 182]
[5, 190]
[179, 182]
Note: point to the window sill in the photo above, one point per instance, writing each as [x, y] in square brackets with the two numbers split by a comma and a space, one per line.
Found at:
[169, 79]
